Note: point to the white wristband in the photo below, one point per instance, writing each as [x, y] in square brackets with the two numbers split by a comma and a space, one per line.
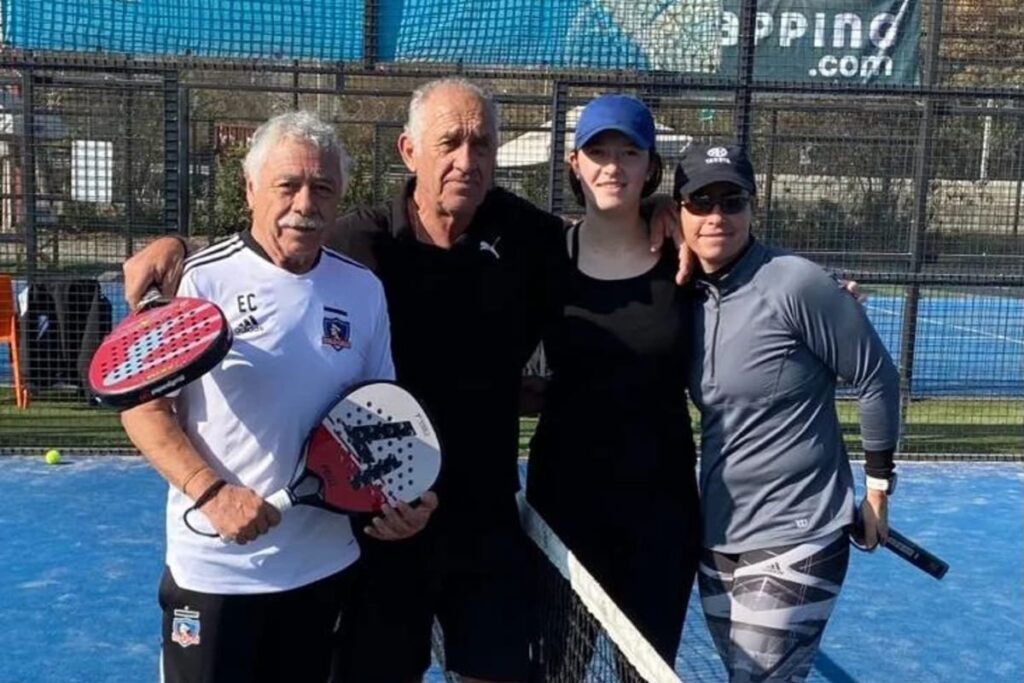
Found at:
[876, 484]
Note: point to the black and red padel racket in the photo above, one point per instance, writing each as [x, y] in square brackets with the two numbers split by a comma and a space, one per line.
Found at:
[159, 348]
[374, 447]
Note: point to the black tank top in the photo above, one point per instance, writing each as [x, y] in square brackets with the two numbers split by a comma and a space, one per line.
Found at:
[615, 408]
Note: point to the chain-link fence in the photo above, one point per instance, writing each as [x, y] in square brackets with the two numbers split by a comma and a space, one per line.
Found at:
[888, 136]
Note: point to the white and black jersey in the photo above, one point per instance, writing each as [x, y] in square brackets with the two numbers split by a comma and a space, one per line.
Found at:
[299, 341]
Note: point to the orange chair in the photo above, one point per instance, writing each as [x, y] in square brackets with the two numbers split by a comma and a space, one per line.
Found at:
[9, 334]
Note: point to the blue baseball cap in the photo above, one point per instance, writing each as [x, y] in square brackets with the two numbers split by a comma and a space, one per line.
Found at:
[622, 113]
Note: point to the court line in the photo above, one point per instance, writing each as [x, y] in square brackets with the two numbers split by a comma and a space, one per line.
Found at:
[936, 321]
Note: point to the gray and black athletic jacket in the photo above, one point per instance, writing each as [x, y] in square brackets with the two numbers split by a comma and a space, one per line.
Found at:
[770, 338]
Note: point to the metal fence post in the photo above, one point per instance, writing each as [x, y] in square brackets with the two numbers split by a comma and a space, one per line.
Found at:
[28, 172]
[1020, 177]
[556, 165]
[377, 165]
[129, 163]
[185, 160]
[172, 153]
[176, 154]
[769, 176]
[745, 74]
[919, 225]
[211, 181]
[370, 30]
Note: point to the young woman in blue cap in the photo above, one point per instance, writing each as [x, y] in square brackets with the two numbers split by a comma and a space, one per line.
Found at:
[772, 334]
[612, 461]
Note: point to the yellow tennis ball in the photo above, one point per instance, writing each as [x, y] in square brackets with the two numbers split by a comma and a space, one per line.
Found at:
[52, 456]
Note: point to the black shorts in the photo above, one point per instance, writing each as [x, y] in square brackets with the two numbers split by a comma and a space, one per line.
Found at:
[477, 585]
[284, 636]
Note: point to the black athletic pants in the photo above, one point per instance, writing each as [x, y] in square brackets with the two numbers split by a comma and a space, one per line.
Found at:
[272, 637]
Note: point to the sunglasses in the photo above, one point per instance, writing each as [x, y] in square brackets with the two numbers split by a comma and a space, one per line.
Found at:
[703, 204]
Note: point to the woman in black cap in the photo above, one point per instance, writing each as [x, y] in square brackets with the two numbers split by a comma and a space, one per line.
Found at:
[612, 464]
[772, 334]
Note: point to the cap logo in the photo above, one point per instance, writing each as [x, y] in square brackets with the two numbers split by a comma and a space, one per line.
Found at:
[718, 155]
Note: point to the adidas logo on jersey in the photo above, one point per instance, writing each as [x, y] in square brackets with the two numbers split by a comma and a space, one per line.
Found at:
[248, 324]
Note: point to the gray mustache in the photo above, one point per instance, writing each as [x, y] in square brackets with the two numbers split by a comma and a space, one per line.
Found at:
[302, 223]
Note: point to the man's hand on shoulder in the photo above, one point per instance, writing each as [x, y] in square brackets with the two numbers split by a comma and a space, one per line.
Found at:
[160, 263]
[853, 289]
[849, 286]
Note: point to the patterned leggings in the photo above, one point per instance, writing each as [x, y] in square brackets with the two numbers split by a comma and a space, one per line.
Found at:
[767, 609]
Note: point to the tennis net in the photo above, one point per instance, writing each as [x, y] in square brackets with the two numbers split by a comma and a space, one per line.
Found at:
[581, 634]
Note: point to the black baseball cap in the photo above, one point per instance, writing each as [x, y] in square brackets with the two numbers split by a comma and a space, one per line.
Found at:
[702, 165]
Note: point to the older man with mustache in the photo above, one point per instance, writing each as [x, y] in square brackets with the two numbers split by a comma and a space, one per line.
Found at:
[239, 607]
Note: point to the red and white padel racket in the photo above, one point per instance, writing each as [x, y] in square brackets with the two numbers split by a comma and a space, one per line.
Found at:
[158, 349]
[374, 447]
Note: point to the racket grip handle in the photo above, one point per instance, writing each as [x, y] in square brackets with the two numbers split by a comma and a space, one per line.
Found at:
[280, 500]
[916, 555]
[151, 298]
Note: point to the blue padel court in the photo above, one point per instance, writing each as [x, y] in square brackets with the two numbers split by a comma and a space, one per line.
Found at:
[965, 346]
[82, 547]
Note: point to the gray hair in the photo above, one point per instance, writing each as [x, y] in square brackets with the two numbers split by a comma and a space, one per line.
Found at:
[303, 126]
[414, 124]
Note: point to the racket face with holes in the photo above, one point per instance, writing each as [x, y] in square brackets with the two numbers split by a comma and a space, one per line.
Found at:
[375, 446]
[157, 351]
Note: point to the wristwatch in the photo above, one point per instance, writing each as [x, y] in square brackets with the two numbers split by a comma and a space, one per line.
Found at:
[886, 486]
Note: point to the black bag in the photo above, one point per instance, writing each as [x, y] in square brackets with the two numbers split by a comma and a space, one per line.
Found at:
[64, 322]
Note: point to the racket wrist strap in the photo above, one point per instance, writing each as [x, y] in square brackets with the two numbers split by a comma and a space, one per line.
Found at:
[207, 495]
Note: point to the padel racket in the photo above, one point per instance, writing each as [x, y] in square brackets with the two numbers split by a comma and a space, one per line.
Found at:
[158, 349]
[374, 447]
[907, 549]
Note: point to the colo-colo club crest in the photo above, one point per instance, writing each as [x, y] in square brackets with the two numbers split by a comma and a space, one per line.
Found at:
[336, 333]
